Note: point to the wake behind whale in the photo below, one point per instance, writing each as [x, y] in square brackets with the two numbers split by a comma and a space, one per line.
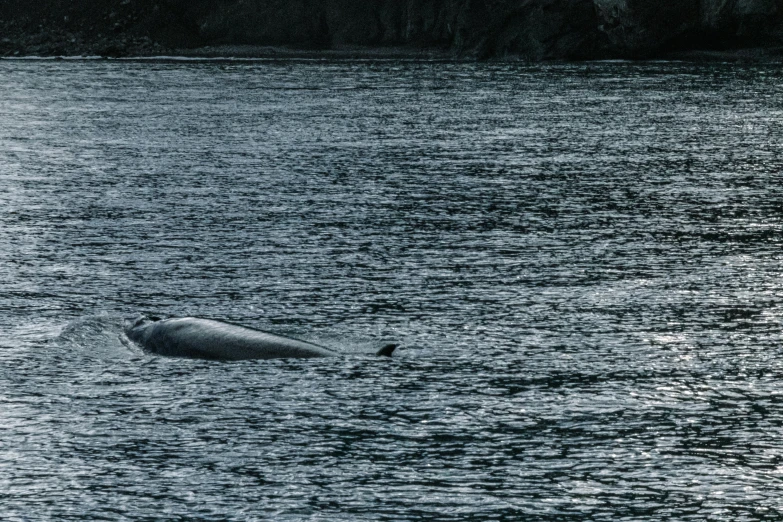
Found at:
[209, 339]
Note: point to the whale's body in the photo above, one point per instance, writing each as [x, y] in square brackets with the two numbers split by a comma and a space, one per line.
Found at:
[208, 339]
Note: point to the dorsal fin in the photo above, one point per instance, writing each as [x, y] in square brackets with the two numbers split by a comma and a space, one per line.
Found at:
[387, 350]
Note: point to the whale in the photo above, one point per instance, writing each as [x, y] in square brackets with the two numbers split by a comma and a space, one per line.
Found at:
[198, 338]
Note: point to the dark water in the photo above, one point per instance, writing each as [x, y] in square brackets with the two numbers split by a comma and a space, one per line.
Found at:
[582, 263]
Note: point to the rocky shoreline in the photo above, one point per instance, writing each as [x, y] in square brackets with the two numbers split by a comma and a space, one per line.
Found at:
[536, 30]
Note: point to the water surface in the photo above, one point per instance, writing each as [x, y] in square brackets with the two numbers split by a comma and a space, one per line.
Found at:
[582, 264]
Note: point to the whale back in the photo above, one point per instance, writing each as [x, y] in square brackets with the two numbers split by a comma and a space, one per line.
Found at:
[208, 339]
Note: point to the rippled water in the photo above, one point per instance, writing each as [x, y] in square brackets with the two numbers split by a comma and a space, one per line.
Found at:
[582, 264]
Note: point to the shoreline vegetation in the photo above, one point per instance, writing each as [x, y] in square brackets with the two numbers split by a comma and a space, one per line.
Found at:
[454, 30]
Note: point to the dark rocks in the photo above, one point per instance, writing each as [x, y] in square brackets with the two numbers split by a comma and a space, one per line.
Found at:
[529, 29]
[645, 28]
[537, 29]
[109, 28]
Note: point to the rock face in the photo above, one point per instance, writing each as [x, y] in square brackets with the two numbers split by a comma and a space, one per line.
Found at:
[538, 29]
[636, 27]
[532, 29]
[640, 28]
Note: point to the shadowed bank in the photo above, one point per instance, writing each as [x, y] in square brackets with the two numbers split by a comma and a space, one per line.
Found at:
[527, 29]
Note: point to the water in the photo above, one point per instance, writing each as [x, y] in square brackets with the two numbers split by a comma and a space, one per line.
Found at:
[582, 264]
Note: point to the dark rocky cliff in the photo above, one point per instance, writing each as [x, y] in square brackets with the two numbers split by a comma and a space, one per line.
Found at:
[649, 27]
[532, 29]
